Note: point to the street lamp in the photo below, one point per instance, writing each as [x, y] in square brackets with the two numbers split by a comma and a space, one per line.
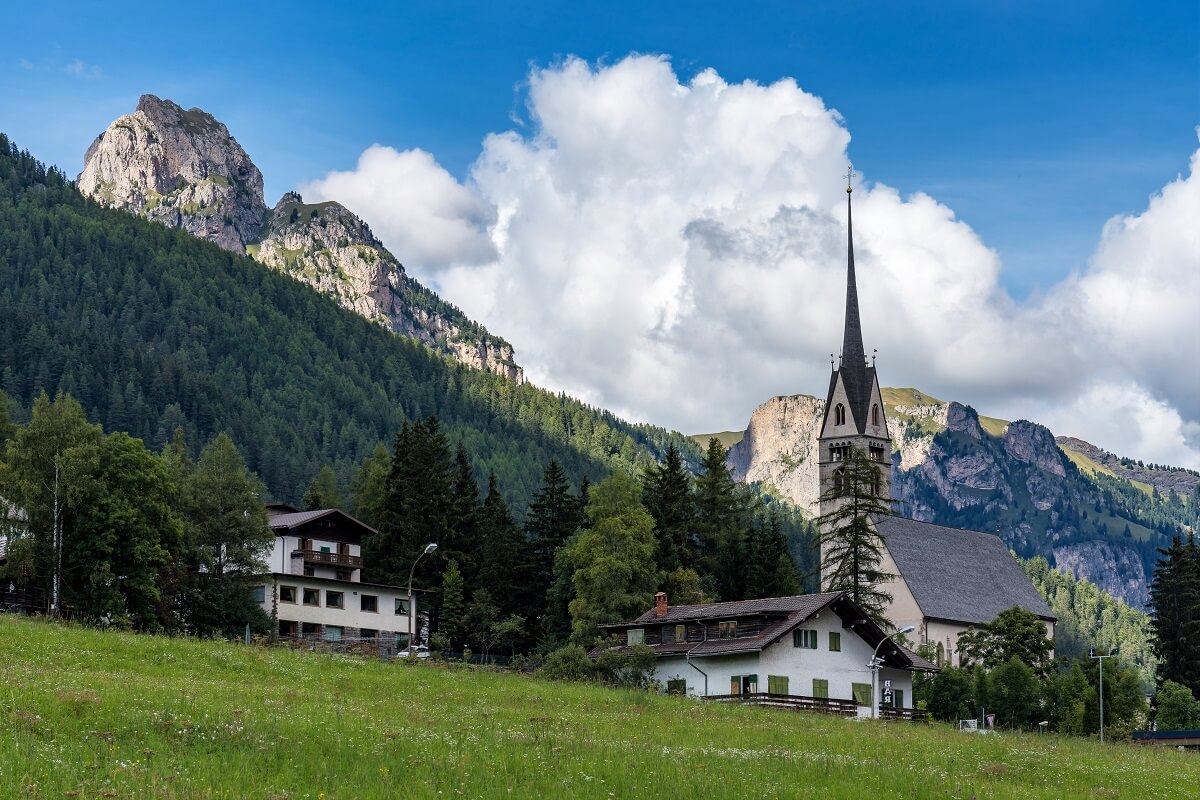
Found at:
[412, 607]
[875, 663]
[1092, 654]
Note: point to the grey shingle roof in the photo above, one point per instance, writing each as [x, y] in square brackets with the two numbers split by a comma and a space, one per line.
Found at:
[958, 575]
[806, 603]
[287, 521]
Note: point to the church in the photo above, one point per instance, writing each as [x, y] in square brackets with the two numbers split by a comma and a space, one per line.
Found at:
[946, 580]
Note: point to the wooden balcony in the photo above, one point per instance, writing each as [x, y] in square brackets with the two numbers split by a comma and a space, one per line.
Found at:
[329, 559]
[824, 705]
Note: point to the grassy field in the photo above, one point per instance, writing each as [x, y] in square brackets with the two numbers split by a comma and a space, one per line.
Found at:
[90, 714]
[727, 438]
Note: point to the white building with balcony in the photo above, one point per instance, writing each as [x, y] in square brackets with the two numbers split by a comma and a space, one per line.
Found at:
[314, 589]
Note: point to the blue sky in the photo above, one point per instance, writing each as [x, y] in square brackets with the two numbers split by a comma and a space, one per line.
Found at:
[1034, 121]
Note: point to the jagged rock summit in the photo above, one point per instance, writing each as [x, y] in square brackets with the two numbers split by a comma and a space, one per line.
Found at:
[185, 170]
[181, 168]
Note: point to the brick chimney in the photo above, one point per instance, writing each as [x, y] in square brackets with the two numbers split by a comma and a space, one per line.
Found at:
[660, 604]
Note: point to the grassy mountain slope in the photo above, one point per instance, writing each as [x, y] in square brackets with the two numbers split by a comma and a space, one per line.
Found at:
[93, 714]
[151, 329]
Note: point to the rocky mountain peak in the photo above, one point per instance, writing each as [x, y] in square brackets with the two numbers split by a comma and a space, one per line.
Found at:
[1034, 444]
[181, 168]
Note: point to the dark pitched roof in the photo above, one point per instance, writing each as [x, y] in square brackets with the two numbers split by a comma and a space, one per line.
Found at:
[289, 521]
[792, 611]
[959, 575]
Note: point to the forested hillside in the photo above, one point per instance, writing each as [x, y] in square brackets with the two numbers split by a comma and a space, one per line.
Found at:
[152, 329]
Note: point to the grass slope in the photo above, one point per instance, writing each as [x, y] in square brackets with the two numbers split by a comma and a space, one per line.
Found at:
[91, 714]
[1091, 466]
[727, 438]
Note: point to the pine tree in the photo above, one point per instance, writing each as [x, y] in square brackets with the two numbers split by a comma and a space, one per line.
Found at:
[451, 616]
[721, 523]
[852, 549]
[1175, 613]
[667, 495]
[462, 536]
[504, 569]
[553, 517]
[323, 492]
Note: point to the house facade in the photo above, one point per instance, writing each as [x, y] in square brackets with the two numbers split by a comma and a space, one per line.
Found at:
[947, 580]
[314, 589]
[815, 646]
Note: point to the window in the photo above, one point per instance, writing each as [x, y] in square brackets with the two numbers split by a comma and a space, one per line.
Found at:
[333, 599]
[875, 414]
[309, 570]
[821, 688]
[839, 452]
[287, 628]
[805, 639]
[309, 629]
[727, 630]
[839, 479]
[681, 633]
[324, 548]
[402, 606]
[839, 414]
[368, 635]
[743, 684]
[401, 641]
[260, 594]
[777, 684]
[287, 594]
[862, 693]
[875, 483]
[876, 452]
[635, 636]
[835, 642]
[312, 597]
[333, 633]
[368, 602]
[677, 686]
[897, 698]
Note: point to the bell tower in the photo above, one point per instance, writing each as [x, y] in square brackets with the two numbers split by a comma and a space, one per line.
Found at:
[854, 415]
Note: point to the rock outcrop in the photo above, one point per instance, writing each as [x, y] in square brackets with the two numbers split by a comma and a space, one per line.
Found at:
[1182, 482]
[1115, 569]
[181, 168]
[185, 170]
[780, 448]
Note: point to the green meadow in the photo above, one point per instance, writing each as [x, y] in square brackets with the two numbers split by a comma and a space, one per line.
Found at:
[100, 714]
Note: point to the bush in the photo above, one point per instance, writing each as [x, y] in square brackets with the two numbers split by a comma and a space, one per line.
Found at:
[1177, 709]
[569, 663]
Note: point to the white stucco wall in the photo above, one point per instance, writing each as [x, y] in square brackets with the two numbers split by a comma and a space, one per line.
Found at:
[280, 559]
[799, 665]
[351, 616]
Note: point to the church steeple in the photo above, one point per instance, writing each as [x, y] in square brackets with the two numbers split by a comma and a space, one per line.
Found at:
[854, 415]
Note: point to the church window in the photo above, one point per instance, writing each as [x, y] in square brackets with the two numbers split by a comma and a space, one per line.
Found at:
[875, 414]
[839, 452]
[839, 479]
[875, 486]
[839, 414]
[876, 452]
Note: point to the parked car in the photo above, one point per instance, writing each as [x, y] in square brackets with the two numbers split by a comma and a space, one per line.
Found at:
[421, 652]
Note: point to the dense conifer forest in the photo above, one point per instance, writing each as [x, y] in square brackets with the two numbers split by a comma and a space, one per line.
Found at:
[152, 329]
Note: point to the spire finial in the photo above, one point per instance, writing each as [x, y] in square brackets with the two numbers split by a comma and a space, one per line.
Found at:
[850, 175]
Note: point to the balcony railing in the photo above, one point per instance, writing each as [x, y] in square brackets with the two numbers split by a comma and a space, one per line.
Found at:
[333, 559]
[797, 702]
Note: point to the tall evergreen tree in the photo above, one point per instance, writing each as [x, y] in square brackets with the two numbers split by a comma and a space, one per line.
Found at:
[852, 549]
[1175, 613]
[450, 620]
[770, 571]
[667, 495]
[504, 569]
[368, 488]
[323, 492]
[462, 536]
[553, 517]
[721, 522]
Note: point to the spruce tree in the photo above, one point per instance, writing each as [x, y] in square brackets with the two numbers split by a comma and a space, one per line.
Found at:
[1175, 613]
[504, 567]
[667, 495]
[553, 517]
[462, 536]
[721, 523]
[323, 492]
[453, 606]
[852, 549]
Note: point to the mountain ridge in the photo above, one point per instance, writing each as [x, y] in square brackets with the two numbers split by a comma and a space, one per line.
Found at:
[184, 169]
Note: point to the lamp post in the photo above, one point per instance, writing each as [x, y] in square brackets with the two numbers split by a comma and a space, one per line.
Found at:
[412, 607]
[875, 662]
[1092, 654]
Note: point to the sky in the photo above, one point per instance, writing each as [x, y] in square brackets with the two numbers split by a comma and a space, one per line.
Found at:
[645, 198]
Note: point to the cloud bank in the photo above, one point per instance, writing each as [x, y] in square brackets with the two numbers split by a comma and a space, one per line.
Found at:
[675, 251]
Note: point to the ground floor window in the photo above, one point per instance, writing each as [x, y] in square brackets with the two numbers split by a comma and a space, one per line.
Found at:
[368, 635]
[743, 684]
[260, 594]
[821, 688]
[898, 694]
[401, 641]
[677, 686]
[777, 684]
[287, 628]
[862, 693]
[333, 633]
[309, 629]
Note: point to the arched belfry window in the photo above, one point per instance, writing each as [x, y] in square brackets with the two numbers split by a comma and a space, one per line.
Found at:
[839, 414]
[875, 483]
[875, 414]
[839, 479]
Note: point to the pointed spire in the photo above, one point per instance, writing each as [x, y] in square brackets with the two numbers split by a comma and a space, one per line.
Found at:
[854, 354]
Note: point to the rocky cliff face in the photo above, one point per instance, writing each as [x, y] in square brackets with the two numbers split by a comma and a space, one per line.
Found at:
[181, 168]
[1182, 482]
[185, 170]
[780, 448]
[953, 467]
[328, 247]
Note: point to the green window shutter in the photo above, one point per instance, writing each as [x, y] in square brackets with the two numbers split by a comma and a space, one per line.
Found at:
[797, 640]
[835, 642]
[821, 688]
[898, 698]
[862, 693]
[777, 684]
[812, 640]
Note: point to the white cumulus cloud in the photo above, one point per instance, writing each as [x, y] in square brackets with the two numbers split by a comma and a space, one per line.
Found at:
[675, 250]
